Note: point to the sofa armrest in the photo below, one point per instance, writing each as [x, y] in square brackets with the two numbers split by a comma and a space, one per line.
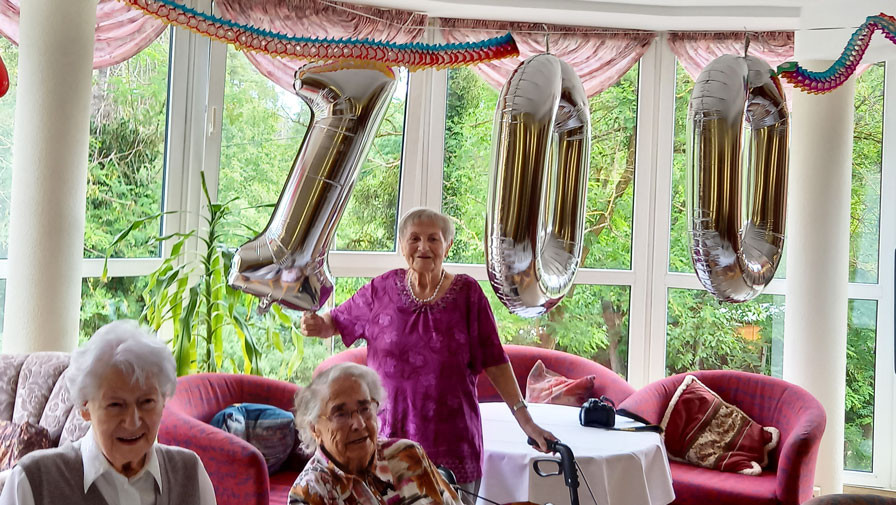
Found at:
[798, 455]
[237, 470]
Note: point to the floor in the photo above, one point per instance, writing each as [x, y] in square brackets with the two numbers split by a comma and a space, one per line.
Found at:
[868, 490]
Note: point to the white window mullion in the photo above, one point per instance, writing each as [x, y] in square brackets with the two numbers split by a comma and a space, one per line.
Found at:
[186, 132]
[664, 124]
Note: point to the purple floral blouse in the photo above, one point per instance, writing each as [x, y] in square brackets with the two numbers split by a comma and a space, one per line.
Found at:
[428, 357]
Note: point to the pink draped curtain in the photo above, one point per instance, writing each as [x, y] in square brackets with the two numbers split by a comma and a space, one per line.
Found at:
[121, 32]
[313, 18]
[695, 50]
[600, 57]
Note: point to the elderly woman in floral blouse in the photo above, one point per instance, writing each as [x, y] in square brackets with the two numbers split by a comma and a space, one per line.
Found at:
[429, 334]
[337, 420]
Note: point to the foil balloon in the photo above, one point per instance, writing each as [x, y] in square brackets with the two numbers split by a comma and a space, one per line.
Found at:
[536, 201]
[4, 79]
[286, 263]
[738, 130]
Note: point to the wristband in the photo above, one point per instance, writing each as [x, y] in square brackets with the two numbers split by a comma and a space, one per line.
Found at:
[519, 405]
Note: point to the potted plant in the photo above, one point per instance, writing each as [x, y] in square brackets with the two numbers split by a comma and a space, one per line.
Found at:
[213, 327]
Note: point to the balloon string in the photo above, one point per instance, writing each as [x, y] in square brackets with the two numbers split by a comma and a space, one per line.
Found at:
[842, 69]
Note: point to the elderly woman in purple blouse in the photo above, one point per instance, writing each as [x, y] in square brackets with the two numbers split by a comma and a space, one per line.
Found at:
[429, 334]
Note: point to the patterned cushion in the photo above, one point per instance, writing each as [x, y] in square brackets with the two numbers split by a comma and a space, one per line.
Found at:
[18, 439]
[547, 386]
[270, 429]
[702, 429]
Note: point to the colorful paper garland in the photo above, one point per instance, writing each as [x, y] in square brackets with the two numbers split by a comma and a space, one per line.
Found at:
[414, 56]
[838, 73]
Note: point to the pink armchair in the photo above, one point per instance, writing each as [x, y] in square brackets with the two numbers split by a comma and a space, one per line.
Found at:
[522, 358]
[237, 469]
[769, 401]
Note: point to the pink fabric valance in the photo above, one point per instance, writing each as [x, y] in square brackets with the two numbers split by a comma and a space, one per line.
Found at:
[313, 18]
[121, 32]
[600, 57]
[695, 50]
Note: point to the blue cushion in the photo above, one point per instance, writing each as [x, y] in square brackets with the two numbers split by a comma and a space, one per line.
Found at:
[270, 429]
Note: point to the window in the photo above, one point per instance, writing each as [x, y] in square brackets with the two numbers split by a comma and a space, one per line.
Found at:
[703, 333]
[125, 171]
[127, 150]
[864, 244]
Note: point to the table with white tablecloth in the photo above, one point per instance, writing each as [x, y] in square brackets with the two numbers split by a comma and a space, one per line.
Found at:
[622, 468]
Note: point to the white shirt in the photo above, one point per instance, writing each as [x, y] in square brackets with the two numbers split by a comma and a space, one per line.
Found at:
[141, 489]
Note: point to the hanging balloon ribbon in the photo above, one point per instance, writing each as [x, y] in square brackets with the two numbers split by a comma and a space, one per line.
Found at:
[4, 79]
[286, 263]
[414, 56]
[536, 202]
[738, 128]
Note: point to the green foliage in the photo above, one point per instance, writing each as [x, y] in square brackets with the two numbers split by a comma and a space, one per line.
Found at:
[189, 291]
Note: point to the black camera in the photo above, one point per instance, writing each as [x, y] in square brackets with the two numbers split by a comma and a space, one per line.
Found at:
[598, 412]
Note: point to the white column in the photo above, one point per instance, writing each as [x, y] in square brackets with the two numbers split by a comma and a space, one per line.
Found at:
[49, 178]
[817, 261]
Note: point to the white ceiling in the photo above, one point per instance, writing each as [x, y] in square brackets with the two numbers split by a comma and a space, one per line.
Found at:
[648, 15]
[823, 26]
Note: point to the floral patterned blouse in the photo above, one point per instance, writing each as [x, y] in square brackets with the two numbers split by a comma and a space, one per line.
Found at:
[428, 357]
[400, 474]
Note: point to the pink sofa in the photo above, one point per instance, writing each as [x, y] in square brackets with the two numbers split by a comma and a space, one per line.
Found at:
[237, 469]
[522, 358]
[768, 401]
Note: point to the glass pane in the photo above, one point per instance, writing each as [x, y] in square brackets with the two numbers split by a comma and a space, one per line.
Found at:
[469, 119]
[614, 114]
[866, 167]
[104, 302]
[10, 54]
[469, 116]
[705, 334]
[127, 152]
[369, 222]
[591, 321]
[860, 380]
[262, 131]
[679, 241]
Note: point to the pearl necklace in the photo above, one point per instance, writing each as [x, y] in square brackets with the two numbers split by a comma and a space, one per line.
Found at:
[434, 293]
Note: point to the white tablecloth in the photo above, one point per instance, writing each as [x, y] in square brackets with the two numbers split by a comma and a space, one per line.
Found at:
[623, 468]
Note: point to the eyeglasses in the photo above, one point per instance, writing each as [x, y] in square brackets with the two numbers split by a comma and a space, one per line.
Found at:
[344, 417]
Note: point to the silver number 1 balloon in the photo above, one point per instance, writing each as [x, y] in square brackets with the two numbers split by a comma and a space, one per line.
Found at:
[286, 263]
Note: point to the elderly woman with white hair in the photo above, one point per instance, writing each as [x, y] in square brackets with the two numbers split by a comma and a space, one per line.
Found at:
[429, 334]
[337, 420]
[119, 380]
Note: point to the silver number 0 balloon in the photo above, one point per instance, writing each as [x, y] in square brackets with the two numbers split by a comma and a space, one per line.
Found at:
[286, 263]
[536, 200]
[738, 130]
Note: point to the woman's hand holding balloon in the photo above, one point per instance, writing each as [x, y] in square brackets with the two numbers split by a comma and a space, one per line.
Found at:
[315, 325]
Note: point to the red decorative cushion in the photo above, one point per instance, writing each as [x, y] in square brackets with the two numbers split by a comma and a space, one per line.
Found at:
[702, 429]
[17, 440]
[547, 386]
